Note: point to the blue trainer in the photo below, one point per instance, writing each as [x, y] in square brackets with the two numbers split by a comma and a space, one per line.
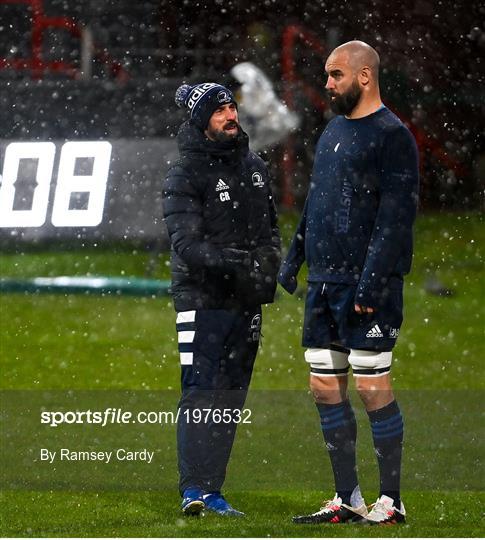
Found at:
[192, 503]
[215, 502]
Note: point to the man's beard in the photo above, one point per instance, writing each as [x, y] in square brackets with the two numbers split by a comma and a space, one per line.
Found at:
[345, 103]
[222, 136]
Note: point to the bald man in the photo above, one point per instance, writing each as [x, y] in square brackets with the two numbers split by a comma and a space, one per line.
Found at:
[355, 235]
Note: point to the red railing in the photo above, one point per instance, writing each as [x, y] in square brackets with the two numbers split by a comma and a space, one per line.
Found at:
[36, 64]
[295, 34]
[292, 80]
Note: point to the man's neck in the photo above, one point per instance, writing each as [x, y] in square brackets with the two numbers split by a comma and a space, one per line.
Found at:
[365, 108]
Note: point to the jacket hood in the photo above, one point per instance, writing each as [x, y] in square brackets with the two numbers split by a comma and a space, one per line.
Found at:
[193, 143]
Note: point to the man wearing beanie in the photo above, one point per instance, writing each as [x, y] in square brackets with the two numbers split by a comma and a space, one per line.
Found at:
[225, 254]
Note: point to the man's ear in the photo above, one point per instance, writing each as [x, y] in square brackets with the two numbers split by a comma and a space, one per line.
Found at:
[364, 76]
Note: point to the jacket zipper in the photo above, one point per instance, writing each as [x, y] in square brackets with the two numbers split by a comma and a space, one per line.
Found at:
[323, 288]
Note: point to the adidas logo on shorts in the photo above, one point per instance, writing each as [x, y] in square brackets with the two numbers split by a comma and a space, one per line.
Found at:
[374, 332]
[221, 185]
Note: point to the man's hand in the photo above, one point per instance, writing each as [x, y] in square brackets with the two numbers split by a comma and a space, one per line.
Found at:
[362, 310]
[287, 280]
[236, 257]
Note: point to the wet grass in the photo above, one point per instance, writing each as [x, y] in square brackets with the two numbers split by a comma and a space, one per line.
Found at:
[51, 342]
[132, 515]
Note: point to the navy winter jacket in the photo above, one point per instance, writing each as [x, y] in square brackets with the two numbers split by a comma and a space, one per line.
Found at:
[356, 226]
[218, 196]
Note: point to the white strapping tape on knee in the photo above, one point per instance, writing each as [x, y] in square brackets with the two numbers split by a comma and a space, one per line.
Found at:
[369, 359]
[327, 358]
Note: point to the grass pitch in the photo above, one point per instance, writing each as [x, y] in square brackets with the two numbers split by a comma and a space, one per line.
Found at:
[279, 467]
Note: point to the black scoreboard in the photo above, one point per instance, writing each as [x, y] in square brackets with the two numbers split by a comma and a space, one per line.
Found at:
[89, 190]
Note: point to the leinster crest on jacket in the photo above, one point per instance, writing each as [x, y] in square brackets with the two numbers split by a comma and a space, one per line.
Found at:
[257, 179]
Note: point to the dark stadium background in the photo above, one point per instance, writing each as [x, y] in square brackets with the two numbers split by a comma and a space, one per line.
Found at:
[89, 70]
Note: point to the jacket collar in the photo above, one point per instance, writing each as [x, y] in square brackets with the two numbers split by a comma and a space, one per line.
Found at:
[193, 143]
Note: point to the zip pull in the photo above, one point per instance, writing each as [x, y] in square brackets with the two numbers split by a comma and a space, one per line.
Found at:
[323, 288]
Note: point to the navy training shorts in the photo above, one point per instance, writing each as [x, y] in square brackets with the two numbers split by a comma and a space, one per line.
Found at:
[330, 317]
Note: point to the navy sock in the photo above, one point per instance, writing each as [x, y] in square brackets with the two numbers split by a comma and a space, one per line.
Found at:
[387, 432]
[340, 432]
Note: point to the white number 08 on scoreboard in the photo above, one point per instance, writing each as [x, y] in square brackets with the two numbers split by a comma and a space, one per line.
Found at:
[68, 183]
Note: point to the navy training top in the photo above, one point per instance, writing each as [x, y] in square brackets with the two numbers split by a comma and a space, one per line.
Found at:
[356, 226]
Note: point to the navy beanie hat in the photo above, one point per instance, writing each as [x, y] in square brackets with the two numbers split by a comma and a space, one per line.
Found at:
[202, 100]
